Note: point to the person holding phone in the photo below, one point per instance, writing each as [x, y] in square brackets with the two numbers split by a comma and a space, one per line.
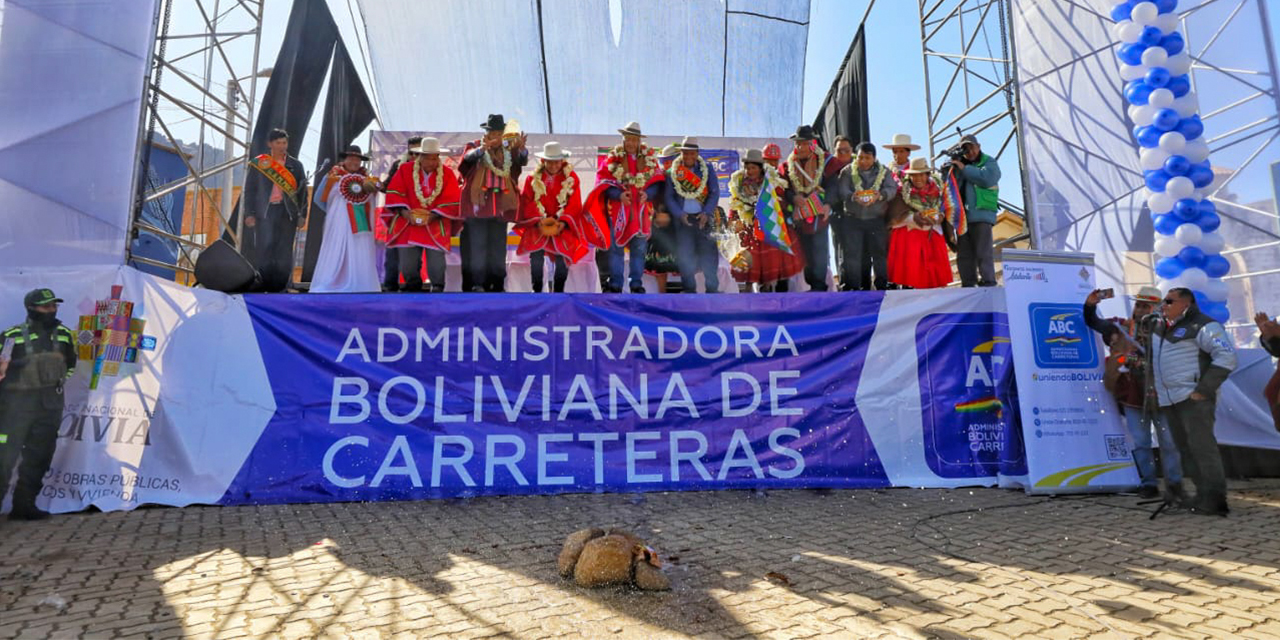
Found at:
[1125, 377]
[1270, 337]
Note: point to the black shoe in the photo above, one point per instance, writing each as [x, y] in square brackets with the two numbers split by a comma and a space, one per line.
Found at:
[612, 289]
[1211, 507]
[637, 288]
[477, 289]
[437, 288]
[1148, 491]
[29, 514]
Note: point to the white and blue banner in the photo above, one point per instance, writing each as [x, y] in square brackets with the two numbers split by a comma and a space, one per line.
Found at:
[261, 399]
[1074, 434]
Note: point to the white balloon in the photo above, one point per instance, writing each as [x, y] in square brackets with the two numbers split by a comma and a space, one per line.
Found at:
[1147, 114]
[1194, 278]
[1173, 142]
[1155, 57]
[1153, 159]
[1160, 202]
[1180, 187]
[1161, 98]
[1197, 150]
[1167, 246]
[1132, 72]
[1211, 243]
[1179, 64]
[1187, 105]
[1145, 13]
[1216, 290]
[1130, 32]
[1166, 22]
[1189, 234]
[1117, 29]
[1165, 285]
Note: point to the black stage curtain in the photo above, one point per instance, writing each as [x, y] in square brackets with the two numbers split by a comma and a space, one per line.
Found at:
[347, 111]
[844, 111]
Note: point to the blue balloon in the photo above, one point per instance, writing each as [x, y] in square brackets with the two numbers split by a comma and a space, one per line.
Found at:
[1201, 299]
[1179, 85]
[1186, 209]
[1217, 310]
[1138, 92]
[1131, 54]
[1156, 180]
[1177, 166]
[1122, 11]
[1208, 221]
[1173, 43]
[1190, 128]
[1191, 256]
[1166, 224]
[1216, 266]
[1148, 136]
[1165, 6]
[1171, 267]
[1166, 120]
[1200, 176]
[1157, 77]
[1206, 207]
[1151, 36]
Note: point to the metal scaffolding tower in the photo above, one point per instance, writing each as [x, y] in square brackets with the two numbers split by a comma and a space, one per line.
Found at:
[202, 90]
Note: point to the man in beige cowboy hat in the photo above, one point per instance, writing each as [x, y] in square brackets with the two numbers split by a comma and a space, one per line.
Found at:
[627, 185]
[692, 193]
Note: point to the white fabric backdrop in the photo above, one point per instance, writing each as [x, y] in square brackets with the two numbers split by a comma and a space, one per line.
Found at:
[661, 62]
[71, 79]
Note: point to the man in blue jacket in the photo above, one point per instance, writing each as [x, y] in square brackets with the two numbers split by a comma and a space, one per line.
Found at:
[692, 193]
[979, 177]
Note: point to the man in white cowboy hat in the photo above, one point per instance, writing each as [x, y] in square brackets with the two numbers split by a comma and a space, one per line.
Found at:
[550, 217]
[627, 184]
[491, 168]
[901, 148]
[422, 213]
[1126, 378]
[692, 193]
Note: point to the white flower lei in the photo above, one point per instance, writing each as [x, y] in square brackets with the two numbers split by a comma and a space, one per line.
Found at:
[917, 204]
[701, 194]
[739, 200]
[540, 188]
[857, 178]
[810, 183]
[506, 163]
[618, 161]
[417, 182]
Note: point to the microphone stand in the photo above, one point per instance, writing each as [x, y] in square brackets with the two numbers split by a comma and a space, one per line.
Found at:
[1151, 404]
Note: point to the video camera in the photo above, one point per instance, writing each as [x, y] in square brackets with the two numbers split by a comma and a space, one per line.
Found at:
[956, 153]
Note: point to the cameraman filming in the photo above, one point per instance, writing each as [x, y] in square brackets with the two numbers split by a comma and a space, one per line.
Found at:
[1191, 357]
[1126, 379]
[979, 177]
[37, 358]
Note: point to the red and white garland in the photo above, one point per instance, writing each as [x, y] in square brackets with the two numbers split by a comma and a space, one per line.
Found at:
[803, 183]
[646, 166]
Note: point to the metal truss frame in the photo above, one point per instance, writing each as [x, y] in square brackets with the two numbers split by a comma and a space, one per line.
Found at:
[199, 76]
[969, 81]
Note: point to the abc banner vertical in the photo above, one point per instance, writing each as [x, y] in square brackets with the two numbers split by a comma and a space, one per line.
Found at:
[1073, 432]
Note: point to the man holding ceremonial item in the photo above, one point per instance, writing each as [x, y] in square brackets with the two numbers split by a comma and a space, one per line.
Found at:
[348, 261]
[693, 190]
[627, 185]
[491, 168]
[550, 218]
[422, 213]
[865, 188]
[805, 171]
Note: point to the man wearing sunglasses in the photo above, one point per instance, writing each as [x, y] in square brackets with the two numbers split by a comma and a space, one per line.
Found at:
[1191, 358]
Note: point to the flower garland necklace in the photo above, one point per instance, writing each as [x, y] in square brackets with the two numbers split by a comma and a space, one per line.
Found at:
[539, 186]
[417, 182]
[506, 163]
[646, 164]
[738, 199]
[875, 186]
[807, 184]
[699, 194]
[915, 198]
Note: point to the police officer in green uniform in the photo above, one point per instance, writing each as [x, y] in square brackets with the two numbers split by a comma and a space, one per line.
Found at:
[36, 358]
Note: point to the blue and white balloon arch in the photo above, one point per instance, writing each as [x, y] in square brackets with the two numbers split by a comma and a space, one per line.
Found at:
[1174, 155]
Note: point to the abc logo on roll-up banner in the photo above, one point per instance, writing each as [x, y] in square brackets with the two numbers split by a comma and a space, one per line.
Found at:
[1062, 339]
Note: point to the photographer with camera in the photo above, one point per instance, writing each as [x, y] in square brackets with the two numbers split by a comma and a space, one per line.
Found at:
[1125, 377]
[1191, 357]
[979, 177]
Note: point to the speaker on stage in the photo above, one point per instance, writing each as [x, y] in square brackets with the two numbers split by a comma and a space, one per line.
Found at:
[221, 268]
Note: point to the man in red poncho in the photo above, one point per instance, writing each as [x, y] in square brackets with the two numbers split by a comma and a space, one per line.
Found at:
[627, 185]
[422, 213]
[550, 216]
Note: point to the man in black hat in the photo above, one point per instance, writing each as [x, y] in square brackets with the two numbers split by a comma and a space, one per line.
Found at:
[979, 177]
[391, 264]
[275, 207]
[490, 170]
[36, 358]
[809, 178]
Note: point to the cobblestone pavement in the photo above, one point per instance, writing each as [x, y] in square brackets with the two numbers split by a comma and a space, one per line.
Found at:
[978, 563]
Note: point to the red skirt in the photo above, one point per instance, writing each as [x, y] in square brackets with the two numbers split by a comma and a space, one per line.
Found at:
[918, 259]
[769, 264]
